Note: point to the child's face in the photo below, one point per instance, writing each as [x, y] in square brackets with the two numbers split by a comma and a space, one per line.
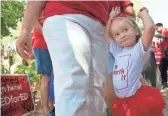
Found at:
[123, 33]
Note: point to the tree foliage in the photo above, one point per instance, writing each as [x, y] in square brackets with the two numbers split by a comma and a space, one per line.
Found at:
[11, 13]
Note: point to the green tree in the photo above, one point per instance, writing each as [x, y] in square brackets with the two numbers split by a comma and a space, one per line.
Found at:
[11, 13]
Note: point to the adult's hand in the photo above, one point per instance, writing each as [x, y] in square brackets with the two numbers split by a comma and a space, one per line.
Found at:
[24, 45]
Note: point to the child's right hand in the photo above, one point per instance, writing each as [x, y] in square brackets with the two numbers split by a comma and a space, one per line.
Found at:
[114, 12]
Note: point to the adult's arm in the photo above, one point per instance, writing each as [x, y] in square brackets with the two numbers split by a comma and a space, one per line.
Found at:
[24, 44]
[32, 13]
[127, 8]
[38, 26]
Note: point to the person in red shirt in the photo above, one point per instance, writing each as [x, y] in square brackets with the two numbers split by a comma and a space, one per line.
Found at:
[74, 32]
[43, 66]
[163, 45]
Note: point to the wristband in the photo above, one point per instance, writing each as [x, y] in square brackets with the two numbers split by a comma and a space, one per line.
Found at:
[143, 8]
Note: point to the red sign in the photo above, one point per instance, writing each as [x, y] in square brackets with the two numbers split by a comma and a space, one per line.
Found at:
[16, 97]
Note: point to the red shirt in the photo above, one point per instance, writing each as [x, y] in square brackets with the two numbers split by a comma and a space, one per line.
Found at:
[164, 44]
[165, 32]
[98, 10]
[38, 39]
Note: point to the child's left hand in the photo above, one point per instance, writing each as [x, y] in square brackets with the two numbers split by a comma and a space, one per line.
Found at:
[142, 11]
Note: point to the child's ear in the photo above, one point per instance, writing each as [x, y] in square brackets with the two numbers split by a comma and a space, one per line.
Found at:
[137, 33]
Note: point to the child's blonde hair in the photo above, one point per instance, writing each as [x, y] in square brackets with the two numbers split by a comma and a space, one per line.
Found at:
[132, 22]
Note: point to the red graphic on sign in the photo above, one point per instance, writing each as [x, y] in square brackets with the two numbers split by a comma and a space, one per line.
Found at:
[16, 98]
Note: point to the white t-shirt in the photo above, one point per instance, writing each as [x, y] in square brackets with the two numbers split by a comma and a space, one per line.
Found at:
[128, 66]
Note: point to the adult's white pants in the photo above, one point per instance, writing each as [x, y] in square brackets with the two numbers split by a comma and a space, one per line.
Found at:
[79, 56]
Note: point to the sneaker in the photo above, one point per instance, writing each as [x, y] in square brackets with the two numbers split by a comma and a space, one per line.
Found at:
[164, 87]
[51, 113]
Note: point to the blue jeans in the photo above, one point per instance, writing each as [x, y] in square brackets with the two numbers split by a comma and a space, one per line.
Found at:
[42, 61]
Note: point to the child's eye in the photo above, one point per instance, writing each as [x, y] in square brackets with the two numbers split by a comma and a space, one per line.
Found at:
[125, 30]
[116, 34]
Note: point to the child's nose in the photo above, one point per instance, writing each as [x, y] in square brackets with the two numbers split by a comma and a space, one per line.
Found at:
[122, 36]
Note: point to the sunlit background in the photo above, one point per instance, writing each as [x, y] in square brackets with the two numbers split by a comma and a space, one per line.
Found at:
[158, 10]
